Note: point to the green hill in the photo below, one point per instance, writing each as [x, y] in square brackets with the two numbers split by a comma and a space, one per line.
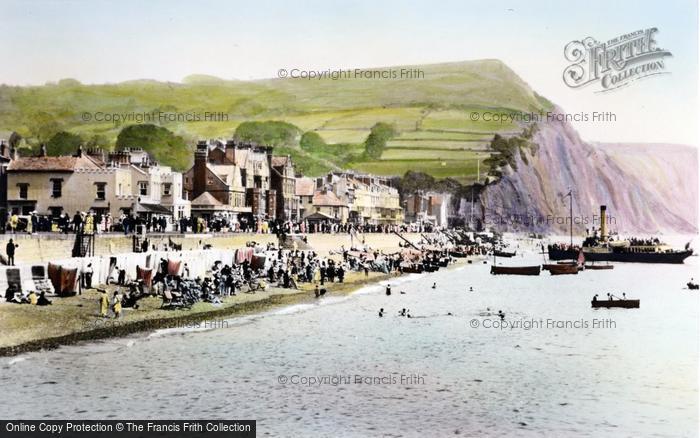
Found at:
[431, 115]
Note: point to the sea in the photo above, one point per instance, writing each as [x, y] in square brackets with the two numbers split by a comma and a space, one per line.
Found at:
[332, 367]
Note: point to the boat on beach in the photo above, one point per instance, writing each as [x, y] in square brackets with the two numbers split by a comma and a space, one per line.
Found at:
[627, 304]
[412, 268]
[515, 270]
[500, 253]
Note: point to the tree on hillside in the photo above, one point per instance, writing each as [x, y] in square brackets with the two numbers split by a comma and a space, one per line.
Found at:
[42, 126]
[269, 133]
[97, 141]
[377, 138]
[311, 141]
[63, 143]
[166, 147]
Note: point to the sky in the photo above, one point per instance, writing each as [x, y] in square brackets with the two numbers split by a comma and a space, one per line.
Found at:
[100, 42]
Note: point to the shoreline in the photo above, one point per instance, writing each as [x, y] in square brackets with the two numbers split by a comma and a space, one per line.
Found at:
[75, 319]
[121, 328]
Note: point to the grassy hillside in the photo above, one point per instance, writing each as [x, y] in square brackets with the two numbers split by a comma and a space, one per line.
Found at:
[430, 115]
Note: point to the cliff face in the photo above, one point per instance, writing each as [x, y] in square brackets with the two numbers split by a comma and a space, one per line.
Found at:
[648, 188]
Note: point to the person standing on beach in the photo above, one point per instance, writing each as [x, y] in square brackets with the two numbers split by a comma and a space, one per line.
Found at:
[10, 249]
[87, 276]
[117, 304]
[104, 303]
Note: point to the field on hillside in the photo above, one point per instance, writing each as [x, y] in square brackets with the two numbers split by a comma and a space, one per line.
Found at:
[436, 132]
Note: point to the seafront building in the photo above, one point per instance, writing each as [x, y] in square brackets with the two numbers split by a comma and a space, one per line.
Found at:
[123, 182]
[239, 182]
[427, 207]
[349, 197]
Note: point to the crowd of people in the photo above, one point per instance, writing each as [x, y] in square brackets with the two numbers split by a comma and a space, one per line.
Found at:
[92, 222]
[14, 295]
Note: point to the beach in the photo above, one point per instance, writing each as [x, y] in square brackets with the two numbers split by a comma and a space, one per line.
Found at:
[74, 319]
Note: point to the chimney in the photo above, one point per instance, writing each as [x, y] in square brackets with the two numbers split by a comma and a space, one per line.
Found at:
[79, 153]
[603, 230]
[199, 177]
[42, 150]
[230, 151]
[268, 151]
[319, 183]
[96, 153]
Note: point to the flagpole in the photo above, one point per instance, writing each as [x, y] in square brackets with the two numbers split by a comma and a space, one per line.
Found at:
[571, 219]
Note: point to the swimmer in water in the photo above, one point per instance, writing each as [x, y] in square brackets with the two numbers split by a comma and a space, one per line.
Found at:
[381, 312]
[402, 312]
[434, 285]
[471, 289]
[388, 289]
[501, 315]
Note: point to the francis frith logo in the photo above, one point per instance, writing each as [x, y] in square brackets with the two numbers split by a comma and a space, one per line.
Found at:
[615, 63]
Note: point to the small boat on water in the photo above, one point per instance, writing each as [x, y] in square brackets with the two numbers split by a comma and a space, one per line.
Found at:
[515, 270]
[693, 286]
[595, 267]
[500, 253]
[627, 304]
[561, 269]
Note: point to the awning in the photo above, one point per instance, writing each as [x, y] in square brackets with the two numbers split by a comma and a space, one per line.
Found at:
[319, 216]
[153, 208]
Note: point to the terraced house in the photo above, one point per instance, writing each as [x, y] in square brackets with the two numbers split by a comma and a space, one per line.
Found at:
[365, 199]
[115, 183]
[241, 181]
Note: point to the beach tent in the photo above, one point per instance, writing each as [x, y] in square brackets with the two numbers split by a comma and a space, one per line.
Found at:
[146, 275]
[64, 280]
[174, 267]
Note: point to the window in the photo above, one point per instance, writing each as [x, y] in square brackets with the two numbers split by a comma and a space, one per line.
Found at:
[23, 190]
[143, 188]
[100, 191]
[56, 211]
[56, 188]
[166, 189]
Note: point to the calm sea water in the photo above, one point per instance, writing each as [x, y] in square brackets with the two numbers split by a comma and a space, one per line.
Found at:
[616, 372]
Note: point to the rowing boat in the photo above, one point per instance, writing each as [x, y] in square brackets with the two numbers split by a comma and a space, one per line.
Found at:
[627, 304]
[515, 270]
[595, 267]
[561, 269]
